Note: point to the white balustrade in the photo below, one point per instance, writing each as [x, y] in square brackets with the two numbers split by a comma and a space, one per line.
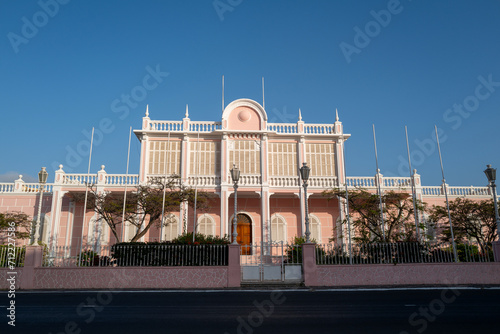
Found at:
[468, 191]
[79, 179]
[282, 128]
[284, 181]
[248, 180]
[432, 191]
[6, 187]
[121, 179]
[203, 180]
[25, 188]
[323, 182]
[396, 182]
[318, 129]
[205, 126]
[361, 182]
[171, 126]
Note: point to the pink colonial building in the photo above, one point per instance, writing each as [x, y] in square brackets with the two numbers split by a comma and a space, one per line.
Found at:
[270, 194]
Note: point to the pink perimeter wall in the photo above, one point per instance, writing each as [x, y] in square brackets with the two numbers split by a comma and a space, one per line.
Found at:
[408, 274]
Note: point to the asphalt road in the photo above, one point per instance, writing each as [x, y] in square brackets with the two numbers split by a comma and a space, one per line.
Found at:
[287, 311]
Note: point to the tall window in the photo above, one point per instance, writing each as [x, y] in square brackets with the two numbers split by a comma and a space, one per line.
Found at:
[246, 155]
[204, 158]
[283, 159]
[315, 228]
[164, 154]
[320, 157]
[278, 228]
[171, 231]
[206, 225]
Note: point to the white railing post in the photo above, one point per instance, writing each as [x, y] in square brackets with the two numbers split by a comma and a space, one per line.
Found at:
[59, 178]
[19, 184]
[101, 176]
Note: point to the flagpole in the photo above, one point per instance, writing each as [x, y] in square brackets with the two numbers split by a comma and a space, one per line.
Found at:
[222, 94]
[86, 193]
[126, 183]
[196, 162]
[412, 180]
[378, 184]
[164, 187]
[446, 195]
[347, 201]
[263, 100]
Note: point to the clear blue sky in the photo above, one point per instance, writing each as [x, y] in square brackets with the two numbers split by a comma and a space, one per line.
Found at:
[64, 72]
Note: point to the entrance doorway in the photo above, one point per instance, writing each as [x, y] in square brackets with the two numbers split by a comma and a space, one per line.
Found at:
[244, 229]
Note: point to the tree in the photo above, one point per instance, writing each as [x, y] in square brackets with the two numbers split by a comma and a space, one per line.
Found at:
[470, 220]
[17, 223]
[364, 210]
[143, 207]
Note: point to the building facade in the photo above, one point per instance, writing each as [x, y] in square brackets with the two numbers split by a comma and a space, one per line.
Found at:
[270, 197]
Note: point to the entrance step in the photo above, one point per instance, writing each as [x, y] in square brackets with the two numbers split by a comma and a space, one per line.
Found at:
[266, 285]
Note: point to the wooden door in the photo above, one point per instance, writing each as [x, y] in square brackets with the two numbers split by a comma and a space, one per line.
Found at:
[244, 229]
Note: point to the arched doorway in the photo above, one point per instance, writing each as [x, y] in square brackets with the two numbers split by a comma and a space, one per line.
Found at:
[244, 229]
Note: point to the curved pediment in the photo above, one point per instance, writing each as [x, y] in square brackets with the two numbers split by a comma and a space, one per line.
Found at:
[244, 114]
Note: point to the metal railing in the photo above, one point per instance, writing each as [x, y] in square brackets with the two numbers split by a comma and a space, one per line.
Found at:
[11, 257]
[139, 256]
[275, 253]
[399, 253]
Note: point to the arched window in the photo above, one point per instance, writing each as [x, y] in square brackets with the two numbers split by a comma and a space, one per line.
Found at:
[171, 230]
[278, 228]
[315, 228]
[206, 225]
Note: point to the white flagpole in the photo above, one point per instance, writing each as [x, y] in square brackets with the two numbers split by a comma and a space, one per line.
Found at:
[167, 154]
[446, 195]
[347, 201]
[196, 163]
[263, 100]
[222, 94]
[126, 183]
[86, 194]
[412, 180]
[378, 183]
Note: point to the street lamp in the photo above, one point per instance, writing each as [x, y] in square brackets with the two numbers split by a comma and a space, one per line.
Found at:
[491, 174]
[42, 179]
[304, 173]
[235, 175]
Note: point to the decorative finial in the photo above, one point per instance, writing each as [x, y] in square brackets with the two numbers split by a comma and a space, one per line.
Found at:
[300, 115]
[336, 115]
[20, 178]
[102, 167]
[60, 167]
[147, 110]
[187, 111]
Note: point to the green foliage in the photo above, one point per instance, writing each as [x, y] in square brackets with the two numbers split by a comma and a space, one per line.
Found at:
[14, 225]
[294, 250]
[200, 239]
[144, 204]
[471, 220]
[206, 251]
[364, 207]
[89, 258]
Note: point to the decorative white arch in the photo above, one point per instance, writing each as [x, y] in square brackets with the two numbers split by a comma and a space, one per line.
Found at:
[244, 103]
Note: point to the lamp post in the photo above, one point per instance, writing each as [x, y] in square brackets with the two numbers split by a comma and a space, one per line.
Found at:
[304, 173]
[42, 179]
[491, 174]
[235, 175]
